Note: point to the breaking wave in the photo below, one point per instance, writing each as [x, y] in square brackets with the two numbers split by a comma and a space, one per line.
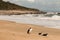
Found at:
[52, 21]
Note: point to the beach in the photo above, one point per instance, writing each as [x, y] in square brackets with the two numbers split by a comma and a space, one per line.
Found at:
[17, 31]
[15, 27]
[29, 20]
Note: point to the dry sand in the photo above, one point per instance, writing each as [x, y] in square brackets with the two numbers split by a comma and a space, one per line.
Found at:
[18, 31]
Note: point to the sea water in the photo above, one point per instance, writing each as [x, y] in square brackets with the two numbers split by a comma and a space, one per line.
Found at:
[37, 19]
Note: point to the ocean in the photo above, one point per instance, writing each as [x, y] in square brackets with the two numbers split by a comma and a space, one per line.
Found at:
[37, 19]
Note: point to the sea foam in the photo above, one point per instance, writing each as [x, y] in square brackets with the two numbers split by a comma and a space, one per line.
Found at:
[52, 22]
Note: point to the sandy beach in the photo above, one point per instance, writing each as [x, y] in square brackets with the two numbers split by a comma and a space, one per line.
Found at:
[17, 31]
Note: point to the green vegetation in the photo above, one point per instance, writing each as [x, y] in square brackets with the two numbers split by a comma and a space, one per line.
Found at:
[11, 6]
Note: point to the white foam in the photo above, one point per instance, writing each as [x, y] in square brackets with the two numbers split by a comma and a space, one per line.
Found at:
[53, 22]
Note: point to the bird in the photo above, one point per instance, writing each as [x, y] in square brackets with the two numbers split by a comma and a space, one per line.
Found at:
[29, 30]
[46, 34]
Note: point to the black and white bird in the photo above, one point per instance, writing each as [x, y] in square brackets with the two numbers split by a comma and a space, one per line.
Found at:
[29, 30]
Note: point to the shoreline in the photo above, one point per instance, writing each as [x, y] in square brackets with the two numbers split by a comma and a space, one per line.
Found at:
[30, 24]
[32, 20]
